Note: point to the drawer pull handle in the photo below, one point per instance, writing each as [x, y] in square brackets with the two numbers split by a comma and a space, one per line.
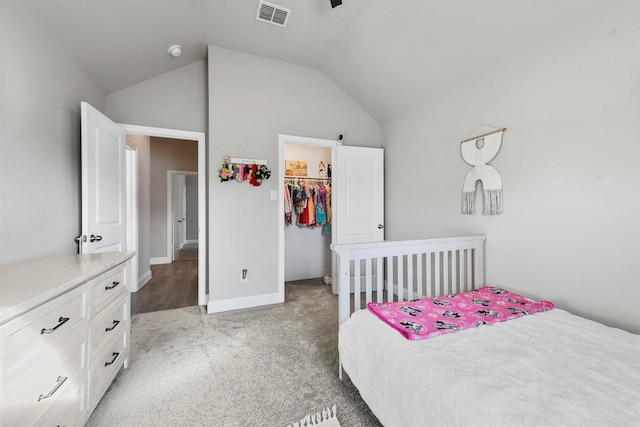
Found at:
[115, 356]
[61, 321]
[106, 288]
[115, 323]
[59, 382]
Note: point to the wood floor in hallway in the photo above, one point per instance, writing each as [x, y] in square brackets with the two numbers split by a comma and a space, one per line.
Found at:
[172, 285]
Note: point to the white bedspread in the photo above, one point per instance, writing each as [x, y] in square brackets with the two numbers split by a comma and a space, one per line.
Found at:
[547, 369]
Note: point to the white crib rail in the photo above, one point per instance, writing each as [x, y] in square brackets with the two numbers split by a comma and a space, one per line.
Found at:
[406, 270]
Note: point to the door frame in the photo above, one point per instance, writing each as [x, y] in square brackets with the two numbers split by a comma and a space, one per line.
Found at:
[131, 209]
[202, 193]
[170, 175]
[296, 140]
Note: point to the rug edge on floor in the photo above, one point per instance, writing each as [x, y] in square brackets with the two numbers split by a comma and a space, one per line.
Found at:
[325, 418]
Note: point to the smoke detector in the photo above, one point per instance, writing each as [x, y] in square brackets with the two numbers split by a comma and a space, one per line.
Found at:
[272, 13]
[175, 50]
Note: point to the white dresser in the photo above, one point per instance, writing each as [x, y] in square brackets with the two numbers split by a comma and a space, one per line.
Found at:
[64, 335]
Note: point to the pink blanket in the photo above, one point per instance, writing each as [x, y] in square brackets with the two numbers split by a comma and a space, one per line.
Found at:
[429, 317]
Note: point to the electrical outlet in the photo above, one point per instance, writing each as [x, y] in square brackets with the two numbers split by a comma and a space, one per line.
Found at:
[244, 276]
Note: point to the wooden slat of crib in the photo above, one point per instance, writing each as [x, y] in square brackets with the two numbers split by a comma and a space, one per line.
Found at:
[469, 283]
[478, 268]
[446, 281]
[379, 280]
[455, 274]
[390, 278]
[400, 277]
[367, 279]
[356, 284]
[419, 284]
[429, 280]
[438, 284]
[410, 283]
[460, 270]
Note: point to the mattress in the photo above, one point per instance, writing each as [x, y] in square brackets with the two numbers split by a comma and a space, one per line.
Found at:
[550, 368]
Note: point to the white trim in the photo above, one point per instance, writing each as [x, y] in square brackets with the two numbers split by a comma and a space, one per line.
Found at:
[242, 302]
[131, 191]
[191, 242]
[300, 140]
[160, 260]
[203, 263]
[303, 275]
[144, 279]
[163, 132]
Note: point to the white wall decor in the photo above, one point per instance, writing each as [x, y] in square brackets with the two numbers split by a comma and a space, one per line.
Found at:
[479, 151]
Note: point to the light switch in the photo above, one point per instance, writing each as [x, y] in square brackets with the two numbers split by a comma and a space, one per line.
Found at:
[274, 194]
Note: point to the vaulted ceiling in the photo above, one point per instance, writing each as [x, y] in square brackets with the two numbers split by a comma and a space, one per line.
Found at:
[388, 55]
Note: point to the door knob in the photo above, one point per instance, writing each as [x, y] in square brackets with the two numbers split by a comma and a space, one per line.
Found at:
[94, 238]
[380, 226]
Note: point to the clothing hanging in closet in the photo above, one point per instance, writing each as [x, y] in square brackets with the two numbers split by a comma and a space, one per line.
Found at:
[310, 203]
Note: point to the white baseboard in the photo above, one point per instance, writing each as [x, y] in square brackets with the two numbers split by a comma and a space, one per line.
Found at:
[302, 275]
[144, 279]
[191, 242]
[243, 302]
[160, 260]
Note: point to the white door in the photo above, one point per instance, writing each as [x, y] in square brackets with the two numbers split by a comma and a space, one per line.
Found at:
[103, 151]
[358, 179]
[178, 189]
[358, 182]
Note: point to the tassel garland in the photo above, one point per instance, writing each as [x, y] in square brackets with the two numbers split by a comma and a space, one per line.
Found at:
[318, 418]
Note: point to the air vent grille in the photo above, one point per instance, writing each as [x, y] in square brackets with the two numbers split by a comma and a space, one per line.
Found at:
[272, 13]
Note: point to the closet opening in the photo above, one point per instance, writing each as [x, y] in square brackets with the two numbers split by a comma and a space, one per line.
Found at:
[306, 211]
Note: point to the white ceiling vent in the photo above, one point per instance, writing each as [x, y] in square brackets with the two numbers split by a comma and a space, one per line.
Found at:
[272, 13]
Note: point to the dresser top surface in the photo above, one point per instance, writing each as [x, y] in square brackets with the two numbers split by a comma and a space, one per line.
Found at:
[28, 284]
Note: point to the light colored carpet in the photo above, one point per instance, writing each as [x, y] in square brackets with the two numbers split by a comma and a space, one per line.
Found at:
[267, 366]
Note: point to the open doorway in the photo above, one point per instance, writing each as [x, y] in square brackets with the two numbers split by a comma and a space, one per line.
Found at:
[195, 248]
[182, 213]
[304, 251]
[357, 197]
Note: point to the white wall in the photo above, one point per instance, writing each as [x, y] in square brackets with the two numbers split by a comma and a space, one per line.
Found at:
[570, 163]
[252, 100]
[307, 252]
[174, 100]
[40, 95]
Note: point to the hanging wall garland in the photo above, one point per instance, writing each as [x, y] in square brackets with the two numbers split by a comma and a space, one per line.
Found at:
[239, 169]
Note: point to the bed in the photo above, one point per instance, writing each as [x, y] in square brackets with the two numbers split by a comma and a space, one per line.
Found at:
[551, 368]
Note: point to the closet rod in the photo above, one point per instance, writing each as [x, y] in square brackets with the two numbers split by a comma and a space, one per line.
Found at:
[297, 180]
[304, 177]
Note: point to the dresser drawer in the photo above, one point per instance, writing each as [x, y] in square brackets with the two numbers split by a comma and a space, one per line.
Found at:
[57, 381]
[43, 331]
[112, 322]
[70, 408]
[106, 288]
[106, 362]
